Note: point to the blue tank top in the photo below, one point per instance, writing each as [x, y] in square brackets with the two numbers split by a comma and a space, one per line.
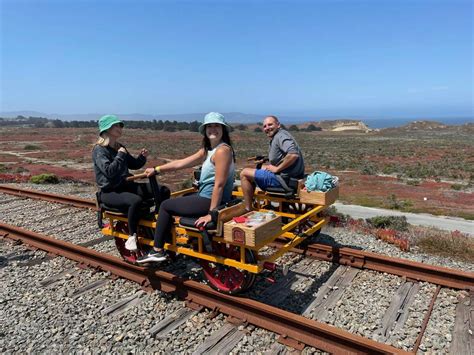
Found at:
[208, 177]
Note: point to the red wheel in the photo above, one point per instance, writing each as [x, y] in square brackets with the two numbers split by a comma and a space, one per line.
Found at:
[228, 279]
[296, 207]
[127, 255]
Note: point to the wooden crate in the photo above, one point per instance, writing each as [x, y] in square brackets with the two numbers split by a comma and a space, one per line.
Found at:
[318, 197]
[227, 214]
[241, 233]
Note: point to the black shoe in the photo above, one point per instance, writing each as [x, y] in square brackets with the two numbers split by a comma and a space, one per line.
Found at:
[152, 256]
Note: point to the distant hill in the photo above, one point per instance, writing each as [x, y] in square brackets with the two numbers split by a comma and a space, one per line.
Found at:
[14, 114]
[343, 125]
[325, 123]
[235, 117]
[424, 125]
[428, 125]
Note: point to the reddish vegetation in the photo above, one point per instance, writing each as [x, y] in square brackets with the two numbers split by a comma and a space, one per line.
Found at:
[67, 153]
[390, 236]
[440, 198]
[14, 178]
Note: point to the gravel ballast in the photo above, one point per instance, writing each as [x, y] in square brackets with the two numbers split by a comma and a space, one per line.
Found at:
[48, 319]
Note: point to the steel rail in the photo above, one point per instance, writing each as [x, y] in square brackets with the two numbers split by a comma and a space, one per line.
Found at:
[288, 325]
[424, 325]
[341, 255]
[411, 269]
[46, 196]
[63, 199]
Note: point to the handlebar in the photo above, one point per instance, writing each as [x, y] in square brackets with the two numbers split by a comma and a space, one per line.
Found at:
[258, 158]
[136, 177]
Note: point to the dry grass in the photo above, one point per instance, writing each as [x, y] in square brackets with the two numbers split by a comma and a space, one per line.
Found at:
[455, 244]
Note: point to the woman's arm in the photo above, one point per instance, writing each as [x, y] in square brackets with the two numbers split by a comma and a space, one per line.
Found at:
[187, 162]
[109, 167]
[222, 161]
[136, 163]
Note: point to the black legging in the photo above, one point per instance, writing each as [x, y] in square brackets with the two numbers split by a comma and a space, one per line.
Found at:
[128, 198]
[187, 206]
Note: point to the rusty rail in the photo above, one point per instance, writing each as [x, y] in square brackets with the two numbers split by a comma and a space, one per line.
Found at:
[345, 256]
[46, 196]
[288, 325]
[426, 320]
[411, 269]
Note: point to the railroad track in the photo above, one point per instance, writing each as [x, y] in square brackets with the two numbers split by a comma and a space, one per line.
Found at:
[320, 299]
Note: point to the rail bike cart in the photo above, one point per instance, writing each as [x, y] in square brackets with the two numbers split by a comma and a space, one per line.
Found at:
[233, 248]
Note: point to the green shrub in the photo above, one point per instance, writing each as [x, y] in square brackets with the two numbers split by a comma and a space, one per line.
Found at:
[389, 169]
[31, 147]
[413, 182]
[457, 187]
[332, 211]
[44, 179]
[393, 222]
[368, 169]
[393, 202]
[20, 170]
[454, 244]
[3, 168]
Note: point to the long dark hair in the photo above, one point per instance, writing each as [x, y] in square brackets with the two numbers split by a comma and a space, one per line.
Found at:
[206, 143]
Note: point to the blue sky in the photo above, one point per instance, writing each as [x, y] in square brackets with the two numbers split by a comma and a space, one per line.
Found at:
[378, 58]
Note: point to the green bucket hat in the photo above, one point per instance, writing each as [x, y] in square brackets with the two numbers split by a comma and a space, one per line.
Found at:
[213, 117]
[107, 121]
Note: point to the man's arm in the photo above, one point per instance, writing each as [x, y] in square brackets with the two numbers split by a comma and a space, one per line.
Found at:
[288, 146]
[287, 161]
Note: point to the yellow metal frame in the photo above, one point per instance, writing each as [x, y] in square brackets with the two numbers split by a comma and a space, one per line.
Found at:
[184, 240]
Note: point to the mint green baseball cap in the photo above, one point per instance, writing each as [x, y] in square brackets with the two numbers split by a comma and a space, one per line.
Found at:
[213, 117]
[107, 121]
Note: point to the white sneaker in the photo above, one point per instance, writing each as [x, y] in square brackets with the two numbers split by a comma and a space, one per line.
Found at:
[152, 256]
[131, 243]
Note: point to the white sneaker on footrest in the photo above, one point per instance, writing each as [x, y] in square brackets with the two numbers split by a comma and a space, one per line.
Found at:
[131, 243]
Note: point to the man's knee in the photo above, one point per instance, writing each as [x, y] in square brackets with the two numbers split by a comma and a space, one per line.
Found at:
[247, 174]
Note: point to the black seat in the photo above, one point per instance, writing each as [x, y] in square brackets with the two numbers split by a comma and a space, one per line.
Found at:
[211, 226]
[145, 208]
[288, 188]
[160, 193]
[188, 222]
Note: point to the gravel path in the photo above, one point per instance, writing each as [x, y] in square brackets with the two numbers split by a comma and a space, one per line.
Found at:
[418, 219]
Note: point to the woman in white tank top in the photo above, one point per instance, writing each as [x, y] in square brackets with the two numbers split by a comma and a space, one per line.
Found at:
[216, 182]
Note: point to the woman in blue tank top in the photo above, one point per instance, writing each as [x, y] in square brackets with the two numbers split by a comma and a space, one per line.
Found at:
[215, 185]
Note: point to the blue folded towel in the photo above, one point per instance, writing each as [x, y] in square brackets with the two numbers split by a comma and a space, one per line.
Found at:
[320, 181]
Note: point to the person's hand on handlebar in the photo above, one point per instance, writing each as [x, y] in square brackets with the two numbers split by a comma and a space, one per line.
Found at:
[150, 172]
[122, 149]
